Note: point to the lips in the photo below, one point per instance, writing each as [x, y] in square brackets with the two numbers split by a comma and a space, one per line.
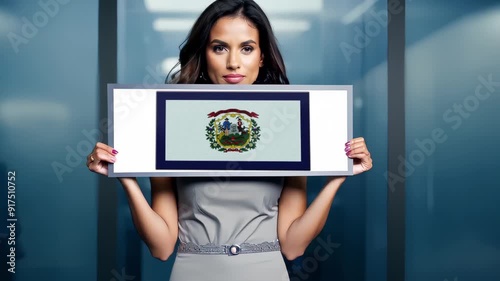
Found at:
[233, 78]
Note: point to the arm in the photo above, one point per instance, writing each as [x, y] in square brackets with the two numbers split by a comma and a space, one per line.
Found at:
[156, 224]
[298, 224]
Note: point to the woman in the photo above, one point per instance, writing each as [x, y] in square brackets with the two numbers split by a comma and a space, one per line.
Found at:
[234, 228]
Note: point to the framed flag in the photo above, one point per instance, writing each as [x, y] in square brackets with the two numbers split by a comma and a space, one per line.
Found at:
[213, 130]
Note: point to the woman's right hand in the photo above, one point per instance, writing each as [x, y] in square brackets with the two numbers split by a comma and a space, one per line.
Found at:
[101, 156]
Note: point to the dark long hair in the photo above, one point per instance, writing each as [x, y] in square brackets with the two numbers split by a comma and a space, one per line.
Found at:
[192, 57]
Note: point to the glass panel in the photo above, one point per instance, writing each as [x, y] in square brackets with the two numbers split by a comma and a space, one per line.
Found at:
[452, 121]
[323, 42]
[48, 125]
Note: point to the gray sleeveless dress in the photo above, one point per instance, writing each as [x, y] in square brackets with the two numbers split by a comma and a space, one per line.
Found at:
[226, 211]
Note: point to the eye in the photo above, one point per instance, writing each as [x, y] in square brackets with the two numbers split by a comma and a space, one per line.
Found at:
[247, 49]
[218, 48]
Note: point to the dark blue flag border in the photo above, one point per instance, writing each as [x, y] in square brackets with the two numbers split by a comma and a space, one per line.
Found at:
[164, 164]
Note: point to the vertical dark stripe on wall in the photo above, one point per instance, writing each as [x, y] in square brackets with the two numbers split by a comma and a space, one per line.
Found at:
[107, 193]
[396, 140]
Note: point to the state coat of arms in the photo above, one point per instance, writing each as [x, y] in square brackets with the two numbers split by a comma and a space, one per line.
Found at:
[233, 130]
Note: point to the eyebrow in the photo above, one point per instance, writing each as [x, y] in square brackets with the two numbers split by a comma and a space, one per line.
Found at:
[217, 41]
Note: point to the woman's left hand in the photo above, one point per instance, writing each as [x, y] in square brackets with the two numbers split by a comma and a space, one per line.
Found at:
[357, 150]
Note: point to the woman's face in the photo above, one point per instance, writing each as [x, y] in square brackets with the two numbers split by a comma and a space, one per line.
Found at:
[233, 53]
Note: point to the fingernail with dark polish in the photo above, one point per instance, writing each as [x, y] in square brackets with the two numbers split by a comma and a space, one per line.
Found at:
[347, 149]
[115, 152]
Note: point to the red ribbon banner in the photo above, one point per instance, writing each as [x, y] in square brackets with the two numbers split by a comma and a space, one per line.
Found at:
[251, 114]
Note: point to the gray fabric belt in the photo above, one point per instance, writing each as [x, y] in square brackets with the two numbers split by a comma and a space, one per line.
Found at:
[230, 250]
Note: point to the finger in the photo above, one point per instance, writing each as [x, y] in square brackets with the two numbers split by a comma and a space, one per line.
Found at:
[106, 147]
[98, 159]
[101, 155]
[357, 147]
[354, 144]
[91, 158]
[364, 156]
[360, 146]
[355, 141]
[97, 148]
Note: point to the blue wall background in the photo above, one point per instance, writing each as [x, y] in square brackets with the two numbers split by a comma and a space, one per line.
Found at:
[48, 101]
[452, 222]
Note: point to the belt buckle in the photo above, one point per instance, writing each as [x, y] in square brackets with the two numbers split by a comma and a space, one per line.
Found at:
[233, 250]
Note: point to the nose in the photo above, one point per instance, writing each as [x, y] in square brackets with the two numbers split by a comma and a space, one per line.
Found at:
[233, 61]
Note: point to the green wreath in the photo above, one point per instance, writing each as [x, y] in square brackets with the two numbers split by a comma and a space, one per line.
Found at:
[252, 144]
